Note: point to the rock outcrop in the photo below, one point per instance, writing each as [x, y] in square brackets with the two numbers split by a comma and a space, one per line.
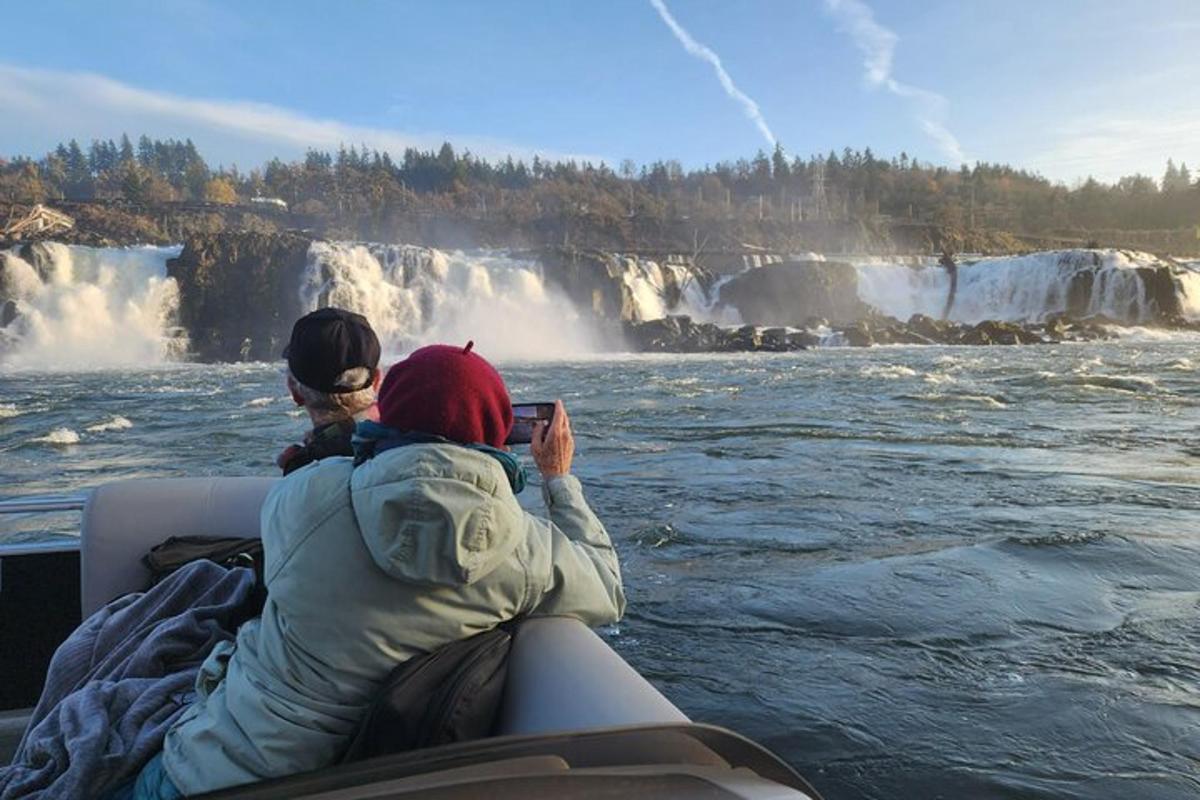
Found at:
[238, 293]
[1162, 294]
[682, 335]
[782, 294]
[920, 329]
[602, 283]
[589, 278]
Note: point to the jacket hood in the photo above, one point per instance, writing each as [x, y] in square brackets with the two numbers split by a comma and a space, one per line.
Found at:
[436, 514]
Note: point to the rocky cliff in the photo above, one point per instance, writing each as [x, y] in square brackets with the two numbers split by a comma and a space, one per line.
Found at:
[793, 292]
[238, 293]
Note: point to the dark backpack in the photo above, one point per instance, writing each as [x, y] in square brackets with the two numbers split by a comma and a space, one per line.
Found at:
[228, 551]
[450, 695]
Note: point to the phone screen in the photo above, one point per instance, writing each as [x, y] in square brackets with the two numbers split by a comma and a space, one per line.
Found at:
[524, 417]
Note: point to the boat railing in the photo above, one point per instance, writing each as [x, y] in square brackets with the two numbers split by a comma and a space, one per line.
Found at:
[40, 505]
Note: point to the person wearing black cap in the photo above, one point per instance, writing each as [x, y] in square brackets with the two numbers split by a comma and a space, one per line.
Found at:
[333, 372]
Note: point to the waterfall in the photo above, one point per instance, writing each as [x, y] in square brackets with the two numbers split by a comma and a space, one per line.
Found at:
[1188, 279]
[416, 295]
[1017, 288]
[656, 289]
[70, 307]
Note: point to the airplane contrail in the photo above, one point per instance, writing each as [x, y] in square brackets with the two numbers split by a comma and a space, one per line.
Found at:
[877, 45]
[706, 54]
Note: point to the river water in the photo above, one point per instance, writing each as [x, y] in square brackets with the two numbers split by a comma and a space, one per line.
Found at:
[913, 572]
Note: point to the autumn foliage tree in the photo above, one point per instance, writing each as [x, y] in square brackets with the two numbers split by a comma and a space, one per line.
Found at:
[220, 190]
[366, 191]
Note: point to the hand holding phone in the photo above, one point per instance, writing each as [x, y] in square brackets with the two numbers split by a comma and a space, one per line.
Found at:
[553, 444]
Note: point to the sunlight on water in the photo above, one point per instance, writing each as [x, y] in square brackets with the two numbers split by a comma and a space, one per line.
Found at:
[908, 570]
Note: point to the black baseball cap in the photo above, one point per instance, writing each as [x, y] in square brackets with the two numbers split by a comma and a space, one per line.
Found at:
[328, 342]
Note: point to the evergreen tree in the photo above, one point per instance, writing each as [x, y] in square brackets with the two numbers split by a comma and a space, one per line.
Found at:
[79, 176]
[761, 172]
[126, 156]
[1170, 177]
[145, 151]
[779, 164]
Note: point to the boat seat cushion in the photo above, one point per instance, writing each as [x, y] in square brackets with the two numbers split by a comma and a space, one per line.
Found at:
[123, 520]
[562, 676]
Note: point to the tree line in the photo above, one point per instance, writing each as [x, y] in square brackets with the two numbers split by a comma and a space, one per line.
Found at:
[367, 185]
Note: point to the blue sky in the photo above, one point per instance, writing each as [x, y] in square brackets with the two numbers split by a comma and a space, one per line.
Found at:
[1066, 87]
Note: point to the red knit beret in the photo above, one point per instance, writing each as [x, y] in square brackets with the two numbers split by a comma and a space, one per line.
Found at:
[447, 391]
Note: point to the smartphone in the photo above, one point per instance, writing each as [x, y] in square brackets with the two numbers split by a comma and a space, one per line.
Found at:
[525, 416]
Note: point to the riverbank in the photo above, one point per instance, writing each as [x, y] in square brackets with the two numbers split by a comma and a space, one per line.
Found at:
[712, 241]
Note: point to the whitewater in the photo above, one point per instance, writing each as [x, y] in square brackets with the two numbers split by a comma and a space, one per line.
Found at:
[1020, 288]
[83, 307]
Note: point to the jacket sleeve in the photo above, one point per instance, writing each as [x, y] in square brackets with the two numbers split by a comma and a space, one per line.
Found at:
[573, 570]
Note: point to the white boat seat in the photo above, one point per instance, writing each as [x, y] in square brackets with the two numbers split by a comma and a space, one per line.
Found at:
[123, 520]
[561, 675]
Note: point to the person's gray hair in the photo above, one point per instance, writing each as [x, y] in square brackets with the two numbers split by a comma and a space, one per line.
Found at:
[338, 403]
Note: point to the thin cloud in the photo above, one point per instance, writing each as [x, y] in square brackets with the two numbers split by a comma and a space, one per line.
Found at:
[49, 106]
[706, 54]
[878, 45]
[1110, 148]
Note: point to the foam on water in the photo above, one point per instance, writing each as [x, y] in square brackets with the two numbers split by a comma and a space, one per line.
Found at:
[986, 401]
[85, 307]
[887, 371]
[8, 410]
[59, 436]
[1138, 334]
[114, 423]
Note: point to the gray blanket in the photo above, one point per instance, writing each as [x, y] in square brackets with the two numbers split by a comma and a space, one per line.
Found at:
[117, 684]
